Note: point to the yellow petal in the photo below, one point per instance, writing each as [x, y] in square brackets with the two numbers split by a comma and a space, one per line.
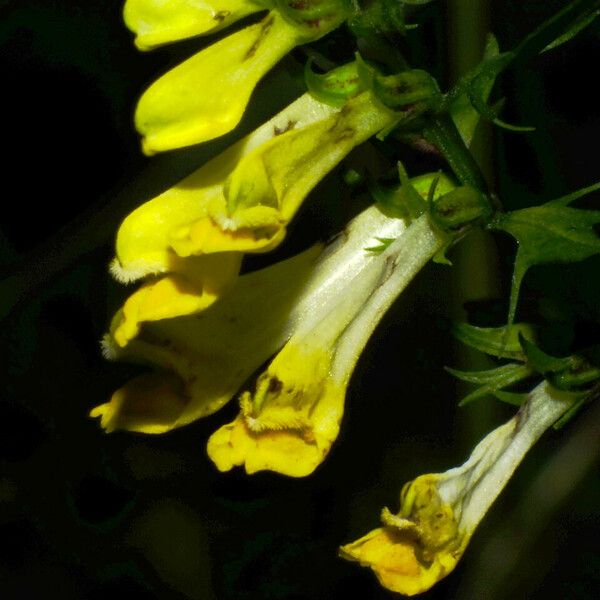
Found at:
[205, 96]
[286, 452]
[282, 172]
[211, 354]
[290, 422]
[143, 241]
[206, 236]
[201, 281]
[417, 547]
[393, 556]
[157, 22]
[148, 404]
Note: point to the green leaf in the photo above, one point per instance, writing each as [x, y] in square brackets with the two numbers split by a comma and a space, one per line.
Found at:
[501, 342]
[408, 200]
[462, 111]
[478, 88]
[578, 25]
[564, 22]
[580, 376]
[498, 377]
[562, 26]
[491, 380]
[544, 363]
[551, 233]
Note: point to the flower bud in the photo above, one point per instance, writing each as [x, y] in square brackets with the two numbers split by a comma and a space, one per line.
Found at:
[462, 206]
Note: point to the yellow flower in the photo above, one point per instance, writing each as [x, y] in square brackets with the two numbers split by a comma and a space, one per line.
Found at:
[269, 184]
[241, 201]
[205, 96]
[439, 512]
[157, 22]
[148, 239]
[205, 358]
[290, 422]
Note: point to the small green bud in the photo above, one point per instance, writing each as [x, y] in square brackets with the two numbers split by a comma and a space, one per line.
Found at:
[416, 91]
[336, 86]
[458, 208]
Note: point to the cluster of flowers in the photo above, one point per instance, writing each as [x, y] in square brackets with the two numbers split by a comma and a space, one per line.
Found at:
[206, 329]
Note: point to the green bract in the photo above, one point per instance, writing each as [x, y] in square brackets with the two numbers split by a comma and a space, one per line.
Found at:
[551, 233]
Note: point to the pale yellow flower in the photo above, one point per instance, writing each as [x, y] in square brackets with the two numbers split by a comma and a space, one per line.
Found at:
[439, 512]
[205, 358]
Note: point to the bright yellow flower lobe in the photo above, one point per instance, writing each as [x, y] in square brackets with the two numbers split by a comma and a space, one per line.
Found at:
[289, 423]
[157, 22]
[205, 96]
[192, 217]
[149, 403]
[191, 288]
[417, 547]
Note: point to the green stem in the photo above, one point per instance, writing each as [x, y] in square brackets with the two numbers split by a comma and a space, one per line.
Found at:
[443, 134]
[475, 271]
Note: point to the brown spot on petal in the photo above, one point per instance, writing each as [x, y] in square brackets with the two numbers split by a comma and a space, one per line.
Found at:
[279, 130]
[264, 30]
[275, 385]
[221, 15]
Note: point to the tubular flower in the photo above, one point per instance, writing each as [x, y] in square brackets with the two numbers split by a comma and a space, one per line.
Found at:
[241, 201]
[145, 240]
[205, 96]
[291, 420]
[205, 358]
[439, 512]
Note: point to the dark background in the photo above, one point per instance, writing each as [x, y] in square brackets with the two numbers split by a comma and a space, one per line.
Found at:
[84, 515]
